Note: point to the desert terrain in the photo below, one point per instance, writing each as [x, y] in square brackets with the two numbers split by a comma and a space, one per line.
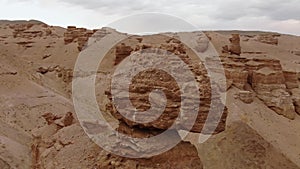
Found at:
[39, 127]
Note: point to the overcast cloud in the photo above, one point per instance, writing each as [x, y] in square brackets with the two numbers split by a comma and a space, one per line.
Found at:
[269, 15]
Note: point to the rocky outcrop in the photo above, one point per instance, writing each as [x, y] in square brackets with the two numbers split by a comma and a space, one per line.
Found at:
[234, 47]
[147, 81]
[239, 77]
[270, 39]
[270, 87]
[291, 79]
[80, 35]
[27, 30]
[188, 157]
[296, 99]
[268, 80]
[56, 143]
[62, 121]
[65, 74]
[122, 51]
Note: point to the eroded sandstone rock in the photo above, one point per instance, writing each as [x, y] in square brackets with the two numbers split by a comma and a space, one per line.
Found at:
[270, 39]
[270, 87]
[246, 96]
[296, 99]
[80, 34]
[235, 47]
[147, 81]
[291, 79]
[122, 51]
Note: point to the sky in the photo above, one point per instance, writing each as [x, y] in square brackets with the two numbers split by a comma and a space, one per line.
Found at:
[265, 15]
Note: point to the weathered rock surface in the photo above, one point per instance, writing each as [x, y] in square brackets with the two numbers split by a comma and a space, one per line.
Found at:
[122, 51]
[246, 96]
[296, 99]
[270, 87]
[235, 47]
[266, 78]
[147, 81]
[270, 39]
[291, 79]
[81, 35]
[63, 143]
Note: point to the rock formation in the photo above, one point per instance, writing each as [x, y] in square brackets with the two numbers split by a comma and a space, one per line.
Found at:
[270, 87]
[38, 130]
[235, 47]
[147, 81]
[81, 35]
[270, 39]
[122, 51]
[246, 96]
[266, 78]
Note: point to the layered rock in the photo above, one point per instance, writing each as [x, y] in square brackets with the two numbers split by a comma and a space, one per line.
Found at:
[27, 30]
[246, 96]
[267, 78]
[122, 51]
[188, 154]
[147, 81]
[54, 147]
[234, 47]
[239, 77]
[270, 87]
[270, 39]
[80, 34]
[296, 99]
[291, 79]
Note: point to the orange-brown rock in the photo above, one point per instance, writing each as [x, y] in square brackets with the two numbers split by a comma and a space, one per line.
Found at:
[122, 51]
[270, 39]
[170, 159]
[296, 99]
[80, 34]
[267, 76]
[225, 49]
[291, 79]
[271, 89]
[62, 121]
[246, 96]
[50, 118]
[147, 81]
[239, 77]
[235, 47]
[65, 121]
